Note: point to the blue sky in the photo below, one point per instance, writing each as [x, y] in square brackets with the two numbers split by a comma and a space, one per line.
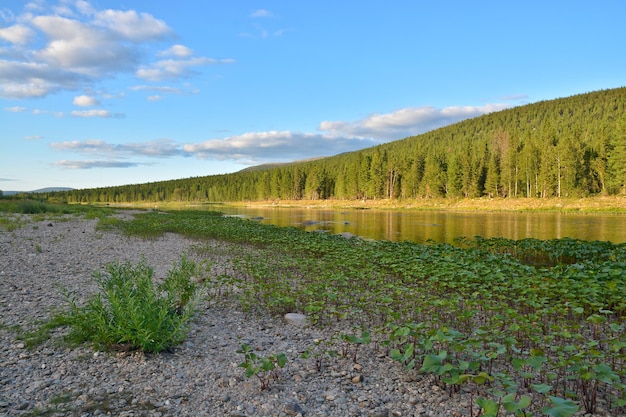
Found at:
[107, 92]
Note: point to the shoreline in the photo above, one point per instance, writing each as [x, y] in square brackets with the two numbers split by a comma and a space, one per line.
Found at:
[587, 205]
[604, 205]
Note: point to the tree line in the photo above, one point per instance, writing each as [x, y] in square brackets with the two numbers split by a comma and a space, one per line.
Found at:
[568, 147]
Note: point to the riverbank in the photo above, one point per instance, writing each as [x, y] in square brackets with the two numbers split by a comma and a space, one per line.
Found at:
[199, 377]
[591, 205]
[345, 285]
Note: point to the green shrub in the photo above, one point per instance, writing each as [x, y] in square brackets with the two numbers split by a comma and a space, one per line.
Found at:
[132, 313]
[35, 207]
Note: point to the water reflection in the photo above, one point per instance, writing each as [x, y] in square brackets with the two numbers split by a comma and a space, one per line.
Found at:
[443, 226]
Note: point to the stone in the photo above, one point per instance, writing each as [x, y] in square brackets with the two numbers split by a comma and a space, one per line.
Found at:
[293, 409]
[356, 379]
[296, 319]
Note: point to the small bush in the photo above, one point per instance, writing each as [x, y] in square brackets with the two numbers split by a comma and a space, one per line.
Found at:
[132, 313]
[35, 207]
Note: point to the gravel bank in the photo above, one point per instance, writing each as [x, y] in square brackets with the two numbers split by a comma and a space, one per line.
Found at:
[200, 377]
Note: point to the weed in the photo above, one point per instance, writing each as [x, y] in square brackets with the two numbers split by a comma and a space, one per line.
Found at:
[131, 313]
[265, 368]
[61, 398]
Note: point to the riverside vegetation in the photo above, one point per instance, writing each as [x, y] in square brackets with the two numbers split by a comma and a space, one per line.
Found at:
[526, 327]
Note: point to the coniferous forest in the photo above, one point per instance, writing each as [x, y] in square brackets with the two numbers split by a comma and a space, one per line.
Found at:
[568, 147]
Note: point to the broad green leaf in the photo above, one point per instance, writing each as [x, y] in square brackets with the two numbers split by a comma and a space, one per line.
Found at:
[490, 408]
[541, 388]
[281, 360]
[560, 407]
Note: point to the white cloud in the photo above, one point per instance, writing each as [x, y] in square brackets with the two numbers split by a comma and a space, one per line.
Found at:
[95, 164]
[16, 109]
[72, 46]
[133, 26]
[96, 113]
[81, 49]
[405, 122]
[57, 114]
[157, 149]
[261, 13]
[255, 147]
[177, 50]
[175, 68]
[33, 137]
[161, 89]
[18, 34]
[155, 97]
[85, 101]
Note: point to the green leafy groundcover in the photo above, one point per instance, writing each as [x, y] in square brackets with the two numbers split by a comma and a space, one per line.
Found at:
[528, 326]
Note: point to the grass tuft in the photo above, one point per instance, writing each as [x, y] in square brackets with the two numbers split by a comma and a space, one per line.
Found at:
[132, 313]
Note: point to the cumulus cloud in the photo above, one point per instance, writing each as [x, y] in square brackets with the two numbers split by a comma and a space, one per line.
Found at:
[405, 122]
[168, 69]
[85, 101]
[177, 50]
[73, 46]
[18, 34]
[157, 149]
[89, 164]
[255, 147]
[133, 26]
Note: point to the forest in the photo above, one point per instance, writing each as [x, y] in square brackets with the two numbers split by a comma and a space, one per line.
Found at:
[567, 147]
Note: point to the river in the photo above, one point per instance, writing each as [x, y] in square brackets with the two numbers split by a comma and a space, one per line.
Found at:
[441, 226]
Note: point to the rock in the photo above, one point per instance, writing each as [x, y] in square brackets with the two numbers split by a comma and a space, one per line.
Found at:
[356, 379]
[295, 319]
[293, 409]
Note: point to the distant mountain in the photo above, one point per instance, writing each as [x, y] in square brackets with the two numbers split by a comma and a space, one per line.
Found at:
[272, 165]
[40, 190]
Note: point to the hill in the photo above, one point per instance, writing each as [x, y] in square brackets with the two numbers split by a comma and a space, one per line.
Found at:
[567, 147]
[40, 190]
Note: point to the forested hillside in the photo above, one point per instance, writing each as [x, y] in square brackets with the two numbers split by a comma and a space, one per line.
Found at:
[570, 147]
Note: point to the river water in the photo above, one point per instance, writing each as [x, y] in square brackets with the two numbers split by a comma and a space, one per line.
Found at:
[441, 226]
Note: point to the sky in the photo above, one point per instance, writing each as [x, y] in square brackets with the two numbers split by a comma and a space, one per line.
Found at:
[97, 93]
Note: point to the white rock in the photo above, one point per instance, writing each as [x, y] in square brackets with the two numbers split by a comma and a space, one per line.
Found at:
[295, 318]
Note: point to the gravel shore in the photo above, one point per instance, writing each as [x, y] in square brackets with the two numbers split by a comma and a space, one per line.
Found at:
[201, 376]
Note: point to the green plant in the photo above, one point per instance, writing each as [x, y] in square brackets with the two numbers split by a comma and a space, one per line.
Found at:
[131, 313]
[42, 333]
[265, 368]
[320, 352]
[61, 398]
[179, 285]
[356, 342]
